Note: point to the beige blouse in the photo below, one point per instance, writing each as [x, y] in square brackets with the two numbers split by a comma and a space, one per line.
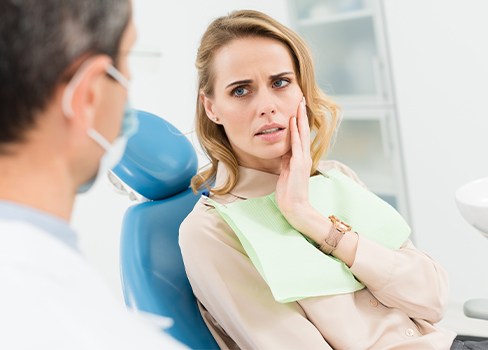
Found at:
[405, 294]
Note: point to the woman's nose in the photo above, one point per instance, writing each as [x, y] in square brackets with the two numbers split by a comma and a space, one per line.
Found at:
[268, 111]
[267, 105]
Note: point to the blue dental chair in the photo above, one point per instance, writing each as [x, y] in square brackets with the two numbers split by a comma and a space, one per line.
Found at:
[156, 170]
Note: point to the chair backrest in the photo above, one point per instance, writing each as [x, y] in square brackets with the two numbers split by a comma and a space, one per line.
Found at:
[158, 165]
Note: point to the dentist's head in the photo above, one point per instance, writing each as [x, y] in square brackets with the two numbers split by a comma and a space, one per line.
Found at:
[63, 95]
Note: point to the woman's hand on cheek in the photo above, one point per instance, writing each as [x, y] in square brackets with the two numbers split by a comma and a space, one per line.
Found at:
[292, 187]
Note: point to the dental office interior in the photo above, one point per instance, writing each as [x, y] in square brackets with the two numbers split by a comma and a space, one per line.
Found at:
[410, 77]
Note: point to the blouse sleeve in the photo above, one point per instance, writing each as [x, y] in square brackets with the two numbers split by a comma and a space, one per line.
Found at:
[405, 278]
[227, 285]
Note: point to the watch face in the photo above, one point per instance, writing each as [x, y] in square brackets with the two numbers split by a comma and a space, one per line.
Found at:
[340, 226]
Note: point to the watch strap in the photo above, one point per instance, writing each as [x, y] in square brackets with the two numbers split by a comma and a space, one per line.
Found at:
[337, 231]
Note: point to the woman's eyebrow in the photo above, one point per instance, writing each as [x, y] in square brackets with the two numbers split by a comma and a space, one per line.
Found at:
[279, 75]
[239, 82]
[249, 81]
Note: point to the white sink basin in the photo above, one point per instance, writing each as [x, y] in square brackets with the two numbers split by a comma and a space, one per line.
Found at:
[472, 201]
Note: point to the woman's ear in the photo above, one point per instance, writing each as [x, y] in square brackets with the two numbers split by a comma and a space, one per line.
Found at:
[209, 106]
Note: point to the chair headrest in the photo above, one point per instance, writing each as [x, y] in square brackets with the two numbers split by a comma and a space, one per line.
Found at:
[159, 161]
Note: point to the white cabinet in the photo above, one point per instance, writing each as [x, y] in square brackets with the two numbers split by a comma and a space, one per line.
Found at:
[351, 61]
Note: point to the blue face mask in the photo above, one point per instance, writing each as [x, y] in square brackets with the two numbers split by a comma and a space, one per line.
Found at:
[130, 124]
[113, 151]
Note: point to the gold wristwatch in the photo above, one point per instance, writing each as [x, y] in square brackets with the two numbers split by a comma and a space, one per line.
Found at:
[338, 229]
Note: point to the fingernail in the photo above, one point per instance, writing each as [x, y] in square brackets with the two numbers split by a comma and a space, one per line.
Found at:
[304, 101]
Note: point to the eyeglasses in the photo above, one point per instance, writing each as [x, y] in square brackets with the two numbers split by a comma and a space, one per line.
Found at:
[137, 60]
[143, 63]
[115, 74]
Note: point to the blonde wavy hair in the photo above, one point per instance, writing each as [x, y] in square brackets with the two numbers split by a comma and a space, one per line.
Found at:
[321, 110]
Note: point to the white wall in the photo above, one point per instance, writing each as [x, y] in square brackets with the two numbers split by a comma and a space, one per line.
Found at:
[439, 55]
[165, 86]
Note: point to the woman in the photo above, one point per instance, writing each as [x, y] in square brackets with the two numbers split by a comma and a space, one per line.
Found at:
[265, 125]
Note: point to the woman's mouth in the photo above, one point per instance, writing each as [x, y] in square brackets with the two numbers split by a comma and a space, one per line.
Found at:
[271, 134]
[269, 131]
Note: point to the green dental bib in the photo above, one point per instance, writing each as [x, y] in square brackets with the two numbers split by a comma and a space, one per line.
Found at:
[295, 269]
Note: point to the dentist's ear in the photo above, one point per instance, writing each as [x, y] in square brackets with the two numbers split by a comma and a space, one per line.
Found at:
[84, 91]
[209, 108]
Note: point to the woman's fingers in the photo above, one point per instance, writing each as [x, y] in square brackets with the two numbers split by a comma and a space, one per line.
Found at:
[304, 128]
[285, 164]
[296, 144]
[300, 134]
[292, 186]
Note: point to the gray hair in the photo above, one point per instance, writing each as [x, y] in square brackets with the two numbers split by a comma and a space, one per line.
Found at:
[39, 41]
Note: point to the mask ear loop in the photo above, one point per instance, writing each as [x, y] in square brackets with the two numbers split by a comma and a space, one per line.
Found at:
[95, 135]
[67, 100]
[115, 73]
[122, 80]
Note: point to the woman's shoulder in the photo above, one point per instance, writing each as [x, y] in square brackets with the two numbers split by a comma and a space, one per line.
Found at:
[329, 164]
[204, 226]
[201, 216]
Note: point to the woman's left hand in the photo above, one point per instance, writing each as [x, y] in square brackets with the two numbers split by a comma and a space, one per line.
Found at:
[292, 187]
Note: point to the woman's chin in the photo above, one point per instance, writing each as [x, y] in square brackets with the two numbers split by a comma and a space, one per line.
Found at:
[264, 157]
[273, 155]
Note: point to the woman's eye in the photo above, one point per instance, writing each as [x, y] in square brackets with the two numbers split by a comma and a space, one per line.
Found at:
[240, 92]
[280, 83]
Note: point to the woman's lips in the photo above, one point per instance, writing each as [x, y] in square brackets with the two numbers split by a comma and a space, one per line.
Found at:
[271, 134]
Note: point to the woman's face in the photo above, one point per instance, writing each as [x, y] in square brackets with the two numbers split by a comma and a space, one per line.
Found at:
[255, 94]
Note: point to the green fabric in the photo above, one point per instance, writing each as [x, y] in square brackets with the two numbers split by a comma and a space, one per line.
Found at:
[293, 267]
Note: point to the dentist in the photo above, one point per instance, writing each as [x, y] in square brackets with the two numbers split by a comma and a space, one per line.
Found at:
[63, 120]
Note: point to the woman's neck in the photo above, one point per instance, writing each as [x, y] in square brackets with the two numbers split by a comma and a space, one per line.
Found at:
[267, 166]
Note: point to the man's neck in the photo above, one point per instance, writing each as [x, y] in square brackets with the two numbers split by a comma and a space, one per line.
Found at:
[35, 180]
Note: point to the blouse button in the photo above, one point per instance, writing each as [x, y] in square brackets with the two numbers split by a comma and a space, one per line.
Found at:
[410, 332]
[373, 302]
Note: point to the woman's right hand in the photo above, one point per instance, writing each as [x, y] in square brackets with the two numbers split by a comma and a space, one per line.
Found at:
[292, 187]
[293, 184]
[292, 190]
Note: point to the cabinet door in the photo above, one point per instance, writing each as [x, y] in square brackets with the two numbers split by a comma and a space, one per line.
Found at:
[343, 37]
[365, 142]
[349, 50]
